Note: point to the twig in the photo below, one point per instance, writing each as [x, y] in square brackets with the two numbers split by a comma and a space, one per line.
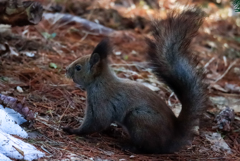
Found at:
[207, 64]
[126, 71]
[64, 112]
[225, 60]
[229, 67]
[69, 104]
[46, 150]
[84, 37]
[90, 33]
[40, 119]
[129, 65]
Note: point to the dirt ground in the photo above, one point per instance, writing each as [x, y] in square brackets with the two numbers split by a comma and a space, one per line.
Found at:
[33, 61]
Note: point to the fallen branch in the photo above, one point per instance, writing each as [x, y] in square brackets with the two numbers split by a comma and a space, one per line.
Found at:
[63, 19]
[18, 106]
[18, 13]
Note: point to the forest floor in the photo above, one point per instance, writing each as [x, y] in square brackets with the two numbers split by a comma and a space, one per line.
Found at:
[33, 61]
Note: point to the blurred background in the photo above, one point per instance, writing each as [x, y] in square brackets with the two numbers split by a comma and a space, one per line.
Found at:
[33, 59]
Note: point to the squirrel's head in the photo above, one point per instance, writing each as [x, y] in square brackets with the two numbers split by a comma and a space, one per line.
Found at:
[86, 69]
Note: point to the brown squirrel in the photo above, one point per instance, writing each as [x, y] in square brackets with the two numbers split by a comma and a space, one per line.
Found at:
[150, 123]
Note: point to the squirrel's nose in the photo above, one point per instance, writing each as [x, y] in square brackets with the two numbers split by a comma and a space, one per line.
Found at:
[68, 69]
[68, 72]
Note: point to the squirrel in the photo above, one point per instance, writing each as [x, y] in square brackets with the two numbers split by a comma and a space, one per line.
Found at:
[147, 119]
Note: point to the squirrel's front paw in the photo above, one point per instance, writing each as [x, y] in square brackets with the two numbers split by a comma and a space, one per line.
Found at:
[67, 130]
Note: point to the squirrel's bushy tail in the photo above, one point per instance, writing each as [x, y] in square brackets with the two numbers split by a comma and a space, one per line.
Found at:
[172, 63]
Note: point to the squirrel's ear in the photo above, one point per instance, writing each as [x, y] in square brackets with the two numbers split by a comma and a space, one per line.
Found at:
[101, 51]
[103, 48]
[94, 59]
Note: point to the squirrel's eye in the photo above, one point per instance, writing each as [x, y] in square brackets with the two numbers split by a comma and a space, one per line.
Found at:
[78, 67]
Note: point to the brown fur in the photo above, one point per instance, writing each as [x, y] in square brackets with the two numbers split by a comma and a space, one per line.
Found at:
[151, 124]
